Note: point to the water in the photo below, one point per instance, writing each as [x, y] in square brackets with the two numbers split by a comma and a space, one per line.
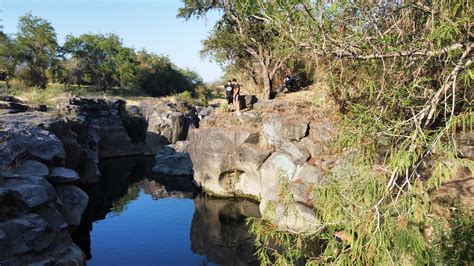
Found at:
[136, 218]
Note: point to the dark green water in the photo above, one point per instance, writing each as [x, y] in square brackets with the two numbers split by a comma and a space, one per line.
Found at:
[136, 218]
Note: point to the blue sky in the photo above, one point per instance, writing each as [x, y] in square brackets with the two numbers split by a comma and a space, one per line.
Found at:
[149, 24]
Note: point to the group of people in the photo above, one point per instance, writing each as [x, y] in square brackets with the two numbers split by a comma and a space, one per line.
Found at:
[232, 91]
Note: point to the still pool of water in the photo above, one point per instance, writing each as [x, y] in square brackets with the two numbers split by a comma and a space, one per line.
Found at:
[136, 218]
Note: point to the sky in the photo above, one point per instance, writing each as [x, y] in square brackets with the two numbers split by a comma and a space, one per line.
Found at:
[149, 24]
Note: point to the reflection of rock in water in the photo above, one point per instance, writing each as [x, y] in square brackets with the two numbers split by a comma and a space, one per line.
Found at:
[219, 230]
[169, 187]
[120, 183]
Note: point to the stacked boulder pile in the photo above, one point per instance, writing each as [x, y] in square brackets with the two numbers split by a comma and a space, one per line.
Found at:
[273, 157]
[40, 202]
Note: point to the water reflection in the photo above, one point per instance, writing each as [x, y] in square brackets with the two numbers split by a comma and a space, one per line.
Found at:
[135, 217]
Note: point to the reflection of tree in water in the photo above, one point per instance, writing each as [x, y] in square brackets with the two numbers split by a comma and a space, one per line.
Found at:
[120, 205]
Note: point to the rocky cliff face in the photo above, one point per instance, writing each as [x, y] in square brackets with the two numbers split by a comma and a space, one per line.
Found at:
[273, 157]
[38, 197]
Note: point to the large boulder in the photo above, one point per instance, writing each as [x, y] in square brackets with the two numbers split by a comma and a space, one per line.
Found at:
[285, 208]
[173, 160]
[169, 122]
[20, 137]
[226, 160]
[279, 128]
[61, 175]
[73, 203]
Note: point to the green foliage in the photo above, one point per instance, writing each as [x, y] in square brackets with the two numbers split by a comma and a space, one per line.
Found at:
[37, 47]
[159, 76]
[98, 62]
[453, 245]
[401, 108]
[103, 60]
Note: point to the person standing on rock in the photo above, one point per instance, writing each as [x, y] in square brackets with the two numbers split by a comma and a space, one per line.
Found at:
[229, 91]
[236, 94]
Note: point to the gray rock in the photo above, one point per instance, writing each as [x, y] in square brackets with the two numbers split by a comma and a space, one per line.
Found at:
[278, 128]
[29, 168]
[73, 203]
[24, 234]
[31, 191]
[315, 149]
[298, 154]
[294, 216]
[310, 174]
[278, 165]
[61, 175]
[173, 163]
[20, 136]
[226, 160]
[321, 130]
[53, 217]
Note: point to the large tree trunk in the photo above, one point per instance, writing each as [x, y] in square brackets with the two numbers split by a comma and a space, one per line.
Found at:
[267, 83]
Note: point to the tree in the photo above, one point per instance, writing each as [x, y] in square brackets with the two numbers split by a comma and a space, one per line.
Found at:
[37, 47]
[105, 62]
[8, 57]
[159, 77]
[241, 37]
[402, 74]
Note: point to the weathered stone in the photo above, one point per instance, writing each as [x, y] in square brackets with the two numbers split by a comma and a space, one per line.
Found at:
[29, 168]
[173, 163]
[310, 174]
[53, 217]
[321, 130]
[295, 216]
[221, 156]
[19, 136]
[296, 150]
[24, 234]
[61, 175]
[73, 203]
[31, 191]
[278, 165]
[278, 128]
[315, 149]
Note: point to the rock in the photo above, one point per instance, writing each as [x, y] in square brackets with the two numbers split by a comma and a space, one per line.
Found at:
[24, 234]
[53, 217]
[278, 165]
[314, 149]
[466, 144]
[298, 154]
[20, 137]
[310, 174]
[225, 159]
[171, 162]
[321, 130]
[29, 168]
[31, 191]
[295, 216]
[278, 128]
[73, 203]
[169, 123]
[61, 175]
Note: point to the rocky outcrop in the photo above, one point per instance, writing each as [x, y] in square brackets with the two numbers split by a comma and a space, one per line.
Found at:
[170, 122]
[174, 160]
[12, 105]
[33, 218]
[277, 161]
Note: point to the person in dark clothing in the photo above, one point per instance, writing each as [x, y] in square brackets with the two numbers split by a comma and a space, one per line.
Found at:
[236, 94]
[229, 91]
